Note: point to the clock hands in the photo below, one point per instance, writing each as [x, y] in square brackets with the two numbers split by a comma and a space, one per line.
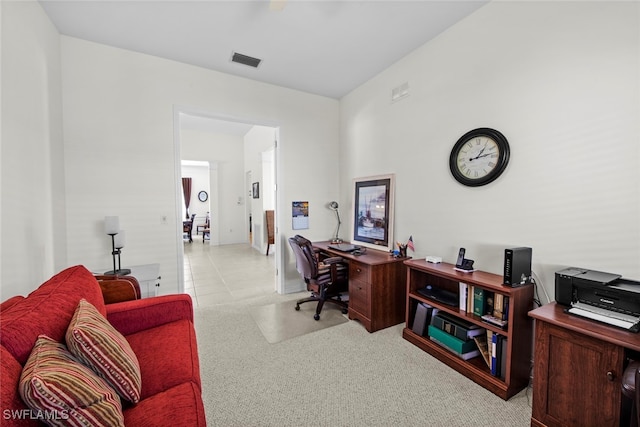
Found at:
[480, 154]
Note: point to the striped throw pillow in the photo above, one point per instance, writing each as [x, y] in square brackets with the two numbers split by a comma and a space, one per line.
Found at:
[97, 344]
[61, 391]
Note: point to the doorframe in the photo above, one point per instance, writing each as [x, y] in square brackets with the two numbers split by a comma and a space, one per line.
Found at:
[177, 109]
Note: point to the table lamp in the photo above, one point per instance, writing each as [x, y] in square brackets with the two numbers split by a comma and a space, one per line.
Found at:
[334, 207]
[112, 228]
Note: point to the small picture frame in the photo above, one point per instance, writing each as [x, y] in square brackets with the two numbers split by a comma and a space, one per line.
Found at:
[255, 190]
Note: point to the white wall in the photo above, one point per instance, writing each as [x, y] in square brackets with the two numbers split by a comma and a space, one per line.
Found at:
[120, 155]
[33, 227]
[258, 140]
[561, 81]
[225, 153]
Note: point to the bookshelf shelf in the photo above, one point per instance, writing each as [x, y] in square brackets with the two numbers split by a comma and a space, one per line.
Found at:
[518, 331]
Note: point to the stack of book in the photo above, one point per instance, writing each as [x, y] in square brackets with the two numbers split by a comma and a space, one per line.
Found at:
[484, 303]
[454, 334]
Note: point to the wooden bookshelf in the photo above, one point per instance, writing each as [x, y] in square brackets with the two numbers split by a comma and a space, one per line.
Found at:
[518, 330]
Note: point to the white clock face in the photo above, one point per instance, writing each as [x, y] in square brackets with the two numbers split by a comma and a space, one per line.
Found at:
[478, 157]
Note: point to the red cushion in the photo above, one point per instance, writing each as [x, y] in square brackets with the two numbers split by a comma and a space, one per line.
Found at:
[179, 405]
[17, 414]
[48, 310]
[10, 302]
[95, 343]
[168, 356]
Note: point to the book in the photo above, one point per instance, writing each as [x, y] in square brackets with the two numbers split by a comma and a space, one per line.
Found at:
[488, 302]
[457, 327]
[422, 318]
[454, 343]
[463, 294]
[481, 342]
[464, 356]
[498, 305]
[505, 310]
[478, 301]
[470, 298]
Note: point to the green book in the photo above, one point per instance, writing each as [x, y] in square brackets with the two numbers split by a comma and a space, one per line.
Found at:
[478, 301]
[455, 344]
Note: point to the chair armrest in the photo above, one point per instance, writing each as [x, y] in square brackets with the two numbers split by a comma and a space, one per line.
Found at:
[118, 290]
[134, 316]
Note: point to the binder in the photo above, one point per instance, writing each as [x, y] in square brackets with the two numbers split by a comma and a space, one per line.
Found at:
[496, 355]
[503, 358]
[451, 342]
[424, 313]
[457, 327]
[464, 356]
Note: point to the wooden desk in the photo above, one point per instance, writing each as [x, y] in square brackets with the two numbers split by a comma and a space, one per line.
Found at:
[377, 289]
[578, 367]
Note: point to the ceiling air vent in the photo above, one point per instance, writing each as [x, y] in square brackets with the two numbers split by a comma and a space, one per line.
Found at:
[245, 60]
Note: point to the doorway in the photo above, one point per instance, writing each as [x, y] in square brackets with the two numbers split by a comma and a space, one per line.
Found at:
[235, 152]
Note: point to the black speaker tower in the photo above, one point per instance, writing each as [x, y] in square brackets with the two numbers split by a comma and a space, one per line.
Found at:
[517, 266]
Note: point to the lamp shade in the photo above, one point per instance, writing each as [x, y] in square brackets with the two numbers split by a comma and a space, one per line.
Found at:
[111, 224]
[119, 240]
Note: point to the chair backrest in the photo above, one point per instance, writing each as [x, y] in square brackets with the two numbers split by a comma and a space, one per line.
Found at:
[306, 262]
[118, 288]
[269, 215]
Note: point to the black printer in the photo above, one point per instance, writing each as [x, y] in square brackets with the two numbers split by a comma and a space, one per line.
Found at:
[605, 297]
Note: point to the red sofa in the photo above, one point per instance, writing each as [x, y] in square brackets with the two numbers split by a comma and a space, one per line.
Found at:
[160, 331]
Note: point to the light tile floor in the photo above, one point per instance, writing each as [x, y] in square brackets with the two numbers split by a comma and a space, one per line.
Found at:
[221, 274]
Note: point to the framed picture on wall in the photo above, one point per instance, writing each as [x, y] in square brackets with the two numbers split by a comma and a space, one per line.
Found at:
[373, 211]
[256, 190]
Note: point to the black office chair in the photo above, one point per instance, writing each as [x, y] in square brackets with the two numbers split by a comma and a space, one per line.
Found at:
[326, 277]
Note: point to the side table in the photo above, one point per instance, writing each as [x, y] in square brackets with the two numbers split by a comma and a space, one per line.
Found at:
[148, 276]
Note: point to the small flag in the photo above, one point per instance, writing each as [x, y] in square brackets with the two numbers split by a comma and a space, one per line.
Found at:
[410, 244]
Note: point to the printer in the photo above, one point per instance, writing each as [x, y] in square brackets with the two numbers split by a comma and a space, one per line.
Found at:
[605, 297]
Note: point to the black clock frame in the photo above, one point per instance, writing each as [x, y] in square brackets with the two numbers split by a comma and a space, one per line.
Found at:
[203, 196]
[503, 158]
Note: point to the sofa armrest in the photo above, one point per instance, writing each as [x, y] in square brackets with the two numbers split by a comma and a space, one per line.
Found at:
[129, 317]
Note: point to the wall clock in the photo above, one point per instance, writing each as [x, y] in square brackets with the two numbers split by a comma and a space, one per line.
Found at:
[479, 157]
[203, 196]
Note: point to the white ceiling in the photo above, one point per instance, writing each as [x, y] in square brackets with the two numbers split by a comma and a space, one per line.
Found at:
[322, 47]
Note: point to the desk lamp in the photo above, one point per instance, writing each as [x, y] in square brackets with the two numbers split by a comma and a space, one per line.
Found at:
[112, 228]
[334, 207]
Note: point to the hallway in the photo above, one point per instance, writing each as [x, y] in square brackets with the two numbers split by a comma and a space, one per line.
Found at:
[223, 274]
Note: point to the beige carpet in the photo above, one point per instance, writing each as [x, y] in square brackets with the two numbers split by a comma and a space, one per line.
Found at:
[280, 321]
[341, 376]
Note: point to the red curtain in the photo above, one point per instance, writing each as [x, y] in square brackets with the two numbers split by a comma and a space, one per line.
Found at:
[186, 191]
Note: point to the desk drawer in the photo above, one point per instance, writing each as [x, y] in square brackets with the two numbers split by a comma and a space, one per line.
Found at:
[359, 297]
[359, 271]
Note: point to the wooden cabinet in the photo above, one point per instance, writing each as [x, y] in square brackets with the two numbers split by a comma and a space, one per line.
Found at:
[578, 367]
[518, 331]
[377, 291]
